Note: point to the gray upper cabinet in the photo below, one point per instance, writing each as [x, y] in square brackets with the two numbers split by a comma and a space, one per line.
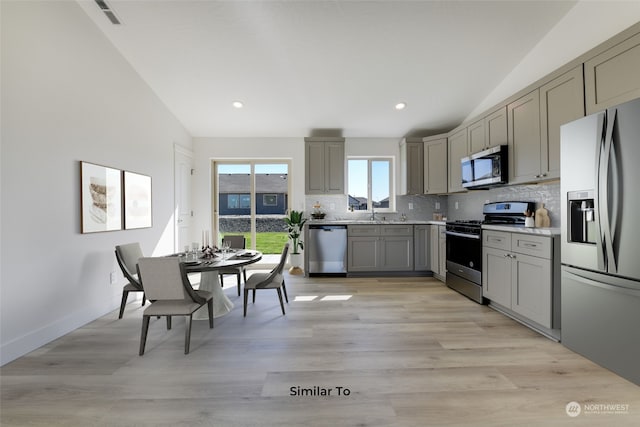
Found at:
[476, 135]
[495, 128]
[412, 166]
[324, 165]
[534, 127]
[488, 132]
[457, 148]
[613, 77]
[561, 101]
[524, 138]
[435, 163]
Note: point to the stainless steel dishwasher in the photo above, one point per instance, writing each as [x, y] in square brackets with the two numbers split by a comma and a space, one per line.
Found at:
[327, 245]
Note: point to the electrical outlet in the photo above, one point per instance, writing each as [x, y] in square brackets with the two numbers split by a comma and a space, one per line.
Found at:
[457, 206]
[113, 277]
[410, 206]
[437, 206]
[332, 206]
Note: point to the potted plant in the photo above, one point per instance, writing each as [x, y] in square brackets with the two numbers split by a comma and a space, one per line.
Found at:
[295, 221]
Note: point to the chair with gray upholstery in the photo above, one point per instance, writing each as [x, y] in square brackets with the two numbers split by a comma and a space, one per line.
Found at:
[127, 257]
[235, 242]
[167, 286]
[271, 280]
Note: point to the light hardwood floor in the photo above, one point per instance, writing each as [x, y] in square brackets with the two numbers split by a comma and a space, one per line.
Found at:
[410, 352]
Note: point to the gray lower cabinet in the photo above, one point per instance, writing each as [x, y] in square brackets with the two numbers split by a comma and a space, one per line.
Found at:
[374, 248]
[421, 248]
[438, 251]
[519, 273]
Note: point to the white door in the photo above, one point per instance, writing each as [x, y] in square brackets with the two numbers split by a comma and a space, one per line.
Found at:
[183, 167]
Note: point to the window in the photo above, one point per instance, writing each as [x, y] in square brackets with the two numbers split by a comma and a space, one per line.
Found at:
[232, 201]
[245, 201]
[270, 200]
[370, 183]
[238, 201]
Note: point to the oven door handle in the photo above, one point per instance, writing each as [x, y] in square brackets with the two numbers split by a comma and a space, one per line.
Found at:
[463, 235]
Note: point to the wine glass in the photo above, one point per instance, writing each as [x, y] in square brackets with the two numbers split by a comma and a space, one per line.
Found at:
[225, 248]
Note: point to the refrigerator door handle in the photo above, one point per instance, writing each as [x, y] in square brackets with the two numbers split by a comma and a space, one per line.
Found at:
[600, 211]
[605, 213]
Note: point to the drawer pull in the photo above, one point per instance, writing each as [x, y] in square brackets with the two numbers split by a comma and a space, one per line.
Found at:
[530, 245]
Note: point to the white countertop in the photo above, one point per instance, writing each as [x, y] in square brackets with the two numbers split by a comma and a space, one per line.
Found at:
[546, 231]
[368, 222]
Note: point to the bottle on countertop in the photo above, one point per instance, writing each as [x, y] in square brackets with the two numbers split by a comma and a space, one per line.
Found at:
[542, 217]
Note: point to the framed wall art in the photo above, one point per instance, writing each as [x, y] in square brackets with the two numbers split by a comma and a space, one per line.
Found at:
[137, 200]
[101, 198]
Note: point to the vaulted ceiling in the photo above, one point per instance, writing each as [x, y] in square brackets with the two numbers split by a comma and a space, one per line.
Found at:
[300, 67]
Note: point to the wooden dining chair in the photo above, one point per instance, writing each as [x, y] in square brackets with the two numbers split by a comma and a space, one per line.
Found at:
[235, 242]
[127, 257]
[168, 288]
[272, 280]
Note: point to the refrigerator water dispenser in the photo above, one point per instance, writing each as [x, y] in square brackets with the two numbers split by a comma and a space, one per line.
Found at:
[582, 221]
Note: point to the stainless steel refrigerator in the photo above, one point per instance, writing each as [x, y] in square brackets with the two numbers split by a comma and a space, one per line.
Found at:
[600, 249]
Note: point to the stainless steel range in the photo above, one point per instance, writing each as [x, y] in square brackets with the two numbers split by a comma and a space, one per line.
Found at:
[464, 245]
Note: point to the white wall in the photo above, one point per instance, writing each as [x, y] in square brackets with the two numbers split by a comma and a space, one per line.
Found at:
[585, 26]
[67, 95]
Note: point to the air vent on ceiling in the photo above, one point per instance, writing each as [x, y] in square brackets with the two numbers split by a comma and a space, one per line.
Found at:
[108, 12]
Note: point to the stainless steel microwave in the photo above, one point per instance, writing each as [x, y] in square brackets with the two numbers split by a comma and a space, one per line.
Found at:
[486, 168]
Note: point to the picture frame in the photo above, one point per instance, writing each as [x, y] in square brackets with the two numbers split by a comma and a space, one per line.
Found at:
[137, 201]
[100, 198]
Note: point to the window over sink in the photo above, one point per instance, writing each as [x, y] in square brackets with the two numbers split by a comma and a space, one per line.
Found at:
[370, 184]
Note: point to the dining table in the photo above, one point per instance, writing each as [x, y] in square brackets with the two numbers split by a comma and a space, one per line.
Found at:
[209, 277]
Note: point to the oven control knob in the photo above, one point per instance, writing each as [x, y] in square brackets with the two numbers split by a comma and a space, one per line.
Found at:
[471, 264]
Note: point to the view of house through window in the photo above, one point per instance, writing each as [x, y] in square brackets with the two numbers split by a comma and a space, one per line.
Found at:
[370, 184]
[251, 198]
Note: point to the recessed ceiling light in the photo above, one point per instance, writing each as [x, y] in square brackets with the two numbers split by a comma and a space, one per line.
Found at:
[401, 105]
[238, 104]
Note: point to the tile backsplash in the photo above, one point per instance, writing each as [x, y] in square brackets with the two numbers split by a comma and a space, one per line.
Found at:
[469, 204]
[424, 206]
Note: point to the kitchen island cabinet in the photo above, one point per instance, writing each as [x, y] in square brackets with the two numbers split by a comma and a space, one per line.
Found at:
[520, 277]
